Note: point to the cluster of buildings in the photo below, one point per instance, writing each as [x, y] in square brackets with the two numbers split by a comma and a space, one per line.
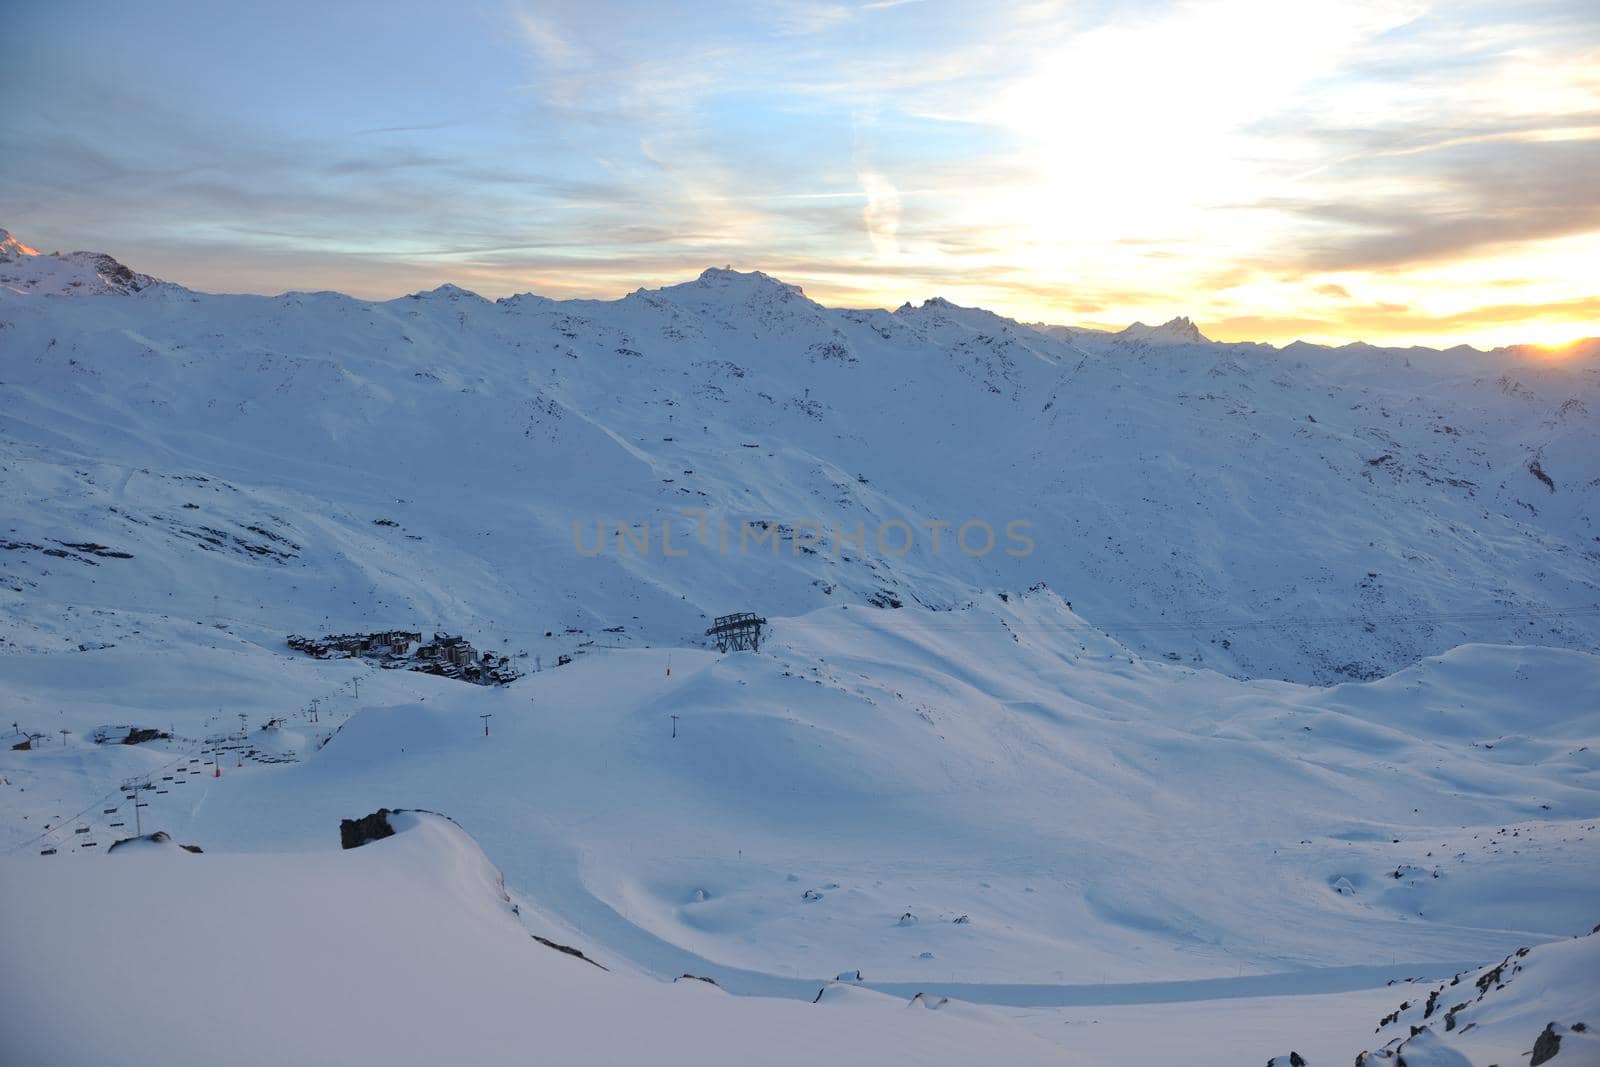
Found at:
[449, 655]
[387, 644]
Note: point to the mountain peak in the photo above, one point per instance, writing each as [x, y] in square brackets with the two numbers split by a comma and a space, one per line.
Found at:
[23, 269]
[447, 291]
[728, 279]
[1177, 330]
[10, 246]
[938, 304]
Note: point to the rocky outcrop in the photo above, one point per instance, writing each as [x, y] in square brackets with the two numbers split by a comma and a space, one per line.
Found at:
[698, 978]
[353, 833]
[570, 951]
[1546, 1045]
[160, 839]
[1484, 1016]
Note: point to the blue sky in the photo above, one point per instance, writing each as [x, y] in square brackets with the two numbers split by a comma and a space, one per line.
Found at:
[1384, 170]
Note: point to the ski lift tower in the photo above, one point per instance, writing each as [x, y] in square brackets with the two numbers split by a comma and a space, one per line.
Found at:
[739, 632]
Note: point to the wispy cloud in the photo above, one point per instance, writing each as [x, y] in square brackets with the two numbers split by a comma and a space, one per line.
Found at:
[1333, 169]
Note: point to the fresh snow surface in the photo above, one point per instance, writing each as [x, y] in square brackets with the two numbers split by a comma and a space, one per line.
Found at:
[1295, 695]
[421, 956]
[404, 951]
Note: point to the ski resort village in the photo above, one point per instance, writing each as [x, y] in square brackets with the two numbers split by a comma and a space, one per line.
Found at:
[1101, 570]
[447, 654]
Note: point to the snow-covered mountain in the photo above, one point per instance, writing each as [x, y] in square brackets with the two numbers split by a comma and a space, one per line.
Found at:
[24, 270]
[438, 459]
[1177, 331]
[1277, 682]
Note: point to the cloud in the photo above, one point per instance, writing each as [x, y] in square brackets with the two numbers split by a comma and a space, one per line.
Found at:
[881, 215]
[807, 17]
[1469, 197]
[1243, 160]
[553, 47]
[1380, 322]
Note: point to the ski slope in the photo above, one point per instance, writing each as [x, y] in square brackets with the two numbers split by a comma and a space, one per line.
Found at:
[422, 956]
[420, 959]
[1097, 818]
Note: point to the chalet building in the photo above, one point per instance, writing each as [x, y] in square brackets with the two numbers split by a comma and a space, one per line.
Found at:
[393, 642]
[451, 649]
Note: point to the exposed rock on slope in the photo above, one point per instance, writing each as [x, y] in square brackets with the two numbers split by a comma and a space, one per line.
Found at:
[1541, 1003]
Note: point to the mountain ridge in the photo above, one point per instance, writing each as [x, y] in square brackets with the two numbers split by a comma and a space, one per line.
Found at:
[1148, 474]
[1178, 329]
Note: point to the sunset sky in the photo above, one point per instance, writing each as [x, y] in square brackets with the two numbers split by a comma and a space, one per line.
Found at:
[1391, 171]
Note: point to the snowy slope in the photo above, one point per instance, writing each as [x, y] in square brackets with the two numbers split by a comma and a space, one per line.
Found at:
[176, 959]
[1096, 817]
[1538, 1003]
[1295, 693]
[1178, 494]
[423, 957]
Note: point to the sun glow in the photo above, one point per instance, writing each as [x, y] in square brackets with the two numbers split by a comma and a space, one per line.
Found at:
[1396, 171]
[1556, 352]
